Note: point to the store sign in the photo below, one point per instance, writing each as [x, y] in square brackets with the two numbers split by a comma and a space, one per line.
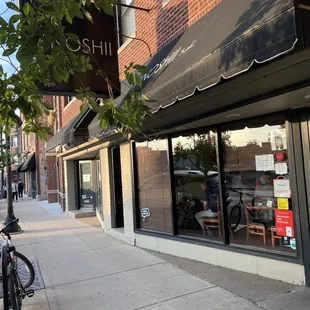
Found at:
[284, 223]
[145, 212]
[167, 61]
[98, 40]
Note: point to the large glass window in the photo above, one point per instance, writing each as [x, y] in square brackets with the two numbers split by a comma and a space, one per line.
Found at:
[197, 186]
[154, 185]
[257, 175]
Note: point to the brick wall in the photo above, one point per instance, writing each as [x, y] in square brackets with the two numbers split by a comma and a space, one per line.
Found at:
[70, 111]
[161, 26]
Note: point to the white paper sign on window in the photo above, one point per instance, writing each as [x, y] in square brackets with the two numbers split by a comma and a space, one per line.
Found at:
[86, 178]
[280, 168]
[264, 162]
[282, 188]
[278, 140]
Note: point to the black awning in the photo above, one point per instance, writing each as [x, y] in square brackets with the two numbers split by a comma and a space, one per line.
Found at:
[66, 134]
[56, 140]
[226, 42]
[29, 164]
[19, 168]
[95, 130]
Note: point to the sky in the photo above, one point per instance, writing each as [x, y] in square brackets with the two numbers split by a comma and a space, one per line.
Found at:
[6, 15]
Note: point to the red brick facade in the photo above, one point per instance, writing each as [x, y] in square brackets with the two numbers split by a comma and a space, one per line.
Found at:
[161, 26]
[70, 111]
[54, 165]
[157, 28]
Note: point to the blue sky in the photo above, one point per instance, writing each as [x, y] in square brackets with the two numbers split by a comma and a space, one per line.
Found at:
[6, 67]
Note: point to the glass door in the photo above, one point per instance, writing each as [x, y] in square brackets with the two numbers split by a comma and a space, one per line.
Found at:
[86, 185]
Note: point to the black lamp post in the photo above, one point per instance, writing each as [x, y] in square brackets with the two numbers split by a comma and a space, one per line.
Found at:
[9, 217]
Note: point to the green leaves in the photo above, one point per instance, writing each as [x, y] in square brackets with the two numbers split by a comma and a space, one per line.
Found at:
[3, 23]
[48, 54]
[9, 51]
[88, 16]
[12, 6]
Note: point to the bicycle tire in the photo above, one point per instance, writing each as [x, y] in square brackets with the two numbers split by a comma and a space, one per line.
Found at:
[29, 266]
[4, 270]
[235, 216]
[15, 298]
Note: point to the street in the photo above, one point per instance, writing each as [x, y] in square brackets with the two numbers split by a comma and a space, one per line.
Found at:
[84, 268]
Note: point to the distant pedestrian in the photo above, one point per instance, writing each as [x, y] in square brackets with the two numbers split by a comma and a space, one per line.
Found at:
[20, 187]
[4, 191]
[15, 190]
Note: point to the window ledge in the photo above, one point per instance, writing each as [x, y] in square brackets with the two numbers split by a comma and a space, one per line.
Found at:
[128, 41]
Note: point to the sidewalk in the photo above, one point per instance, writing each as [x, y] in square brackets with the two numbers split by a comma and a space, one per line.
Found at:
[83, 268]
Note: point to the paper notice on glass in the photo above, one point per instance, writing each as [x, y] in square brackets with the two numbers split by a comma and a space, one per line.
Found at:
[280, 168]
[283, 203]
[282, 188]
[278, 140]
[288, 231]
[86, 178]
[264, 162]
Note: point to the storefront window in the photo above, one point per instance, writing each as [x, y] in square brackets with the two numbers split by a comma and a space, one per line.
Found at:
[257, 174]
[154, 185]
[197, 186]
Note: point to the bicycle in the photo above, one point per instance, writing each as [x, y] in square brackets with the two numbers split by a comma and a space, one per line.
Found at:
[235, 213]
[14, 288]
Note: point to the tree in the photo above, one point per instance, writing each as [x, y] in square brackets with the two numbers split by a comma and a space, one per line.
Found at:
[201, 150]
[28, 36]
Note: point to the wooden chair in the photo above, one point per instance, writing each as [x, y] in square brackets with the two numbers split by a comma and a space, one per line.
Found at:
[213, 222]
[275, 236]
[253, 228]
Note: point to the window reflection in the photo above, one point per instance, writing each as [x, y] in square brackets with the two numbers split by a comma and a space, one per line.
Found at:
[197, 187]
[255, 165]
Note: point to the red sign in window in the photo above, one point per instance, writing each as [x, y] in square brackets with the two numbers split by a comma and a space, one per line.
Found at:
[284, 223]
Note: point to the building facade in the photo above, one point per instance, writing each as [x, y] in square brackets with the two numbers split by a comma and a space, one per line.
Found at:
[221, 173]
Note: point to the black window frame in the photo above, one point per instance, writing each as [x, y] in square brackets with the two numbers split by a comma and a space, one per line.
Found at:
[295, 147]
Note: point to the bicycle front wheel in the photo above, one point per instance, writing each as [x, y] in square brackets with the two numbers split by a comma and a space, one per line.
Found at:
[235, 217]
[24, 269]
[4, 270]
[14, 293]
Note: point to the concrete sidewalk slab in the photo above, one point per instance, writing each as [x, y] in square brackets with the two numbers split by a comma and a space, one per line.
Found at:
[83, 268]
[298, 299]
[62, 246]
[125, 257]
[73, 268]
[164, 281]
[113, 292]
[97, 239]
[214, 298]
[251, 287]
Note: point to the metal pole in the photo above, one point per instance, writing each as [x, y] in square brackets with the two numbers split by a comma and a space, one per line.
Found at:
[133, 7]
[9, 217]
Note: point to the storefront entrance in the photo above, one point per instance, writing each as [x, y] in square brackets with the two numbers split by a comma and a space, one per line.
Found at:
[86, 185]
